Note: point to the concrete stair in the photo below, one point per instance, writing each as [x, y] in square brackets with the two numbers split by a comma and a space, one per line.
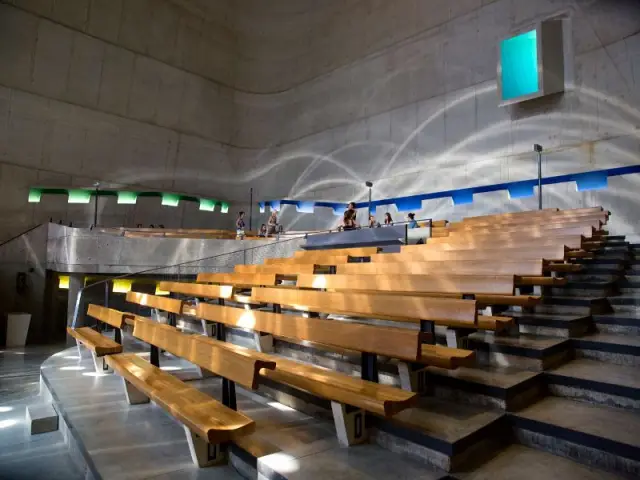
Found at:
[586, 289]
[599, 436]
[610, 348]
[500, 387]
[624, 323]
[579, 305]
[525, 352]
[554, 325]
[596, 382]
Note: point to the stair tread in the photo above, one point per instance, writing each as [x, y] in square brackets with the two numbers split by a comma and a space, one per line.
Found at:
[546, 316]
[593, 370]
[610, 423]
[536, 342]
[621, 315]
[612, 339]
[508, 464]
[502, 377]
[446, 420]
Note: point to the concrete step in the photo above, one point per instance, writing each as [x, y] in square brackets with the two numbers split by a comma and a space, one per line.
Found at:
[526, 352]
[614, 238]
[595, 276]
[596, 382]
[41, 418]
[592, 288]
[597, 269]
[626, 303]
[573, 304]
[611, 260]
[525, 463]
[607, 347]
[441, 433]
[602, 437]
[624, 323]
[553, 325]
[499, 387]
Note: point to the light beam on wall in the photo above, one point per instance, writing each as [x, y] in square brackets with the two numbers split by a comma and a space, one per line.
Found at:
[262, 206]
[593, 181]
[304, 207]
[520, 191]
[462, 197]
[35, 194]
[408, 204]
[63, 282]
[224, 207]
[122, 285]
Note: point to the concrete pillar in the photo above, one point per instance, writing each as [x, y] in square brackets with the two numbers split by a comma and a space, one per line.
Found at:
[76, 282]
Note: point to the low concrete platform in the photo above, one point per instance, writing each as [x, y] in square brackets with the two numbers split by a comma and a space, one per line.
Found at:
[118, 440]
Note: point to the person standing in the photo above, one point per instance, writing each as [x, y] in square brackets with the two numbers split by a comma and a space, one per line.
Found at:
[240, 226]
[388, 221]
[412, 220]
[272, 223]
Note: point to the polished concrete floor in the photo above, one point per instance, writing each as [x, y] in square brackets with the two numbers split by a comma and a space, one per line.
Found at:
[23, 456]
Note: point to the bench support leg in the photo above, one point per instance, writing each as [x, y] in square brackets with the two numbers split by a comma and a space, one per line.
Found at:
[100, 365]
[229, 394]
[134, 396]
[79, 345]
[413, 377]
[349, 422]
[204, 454]
[264, 342]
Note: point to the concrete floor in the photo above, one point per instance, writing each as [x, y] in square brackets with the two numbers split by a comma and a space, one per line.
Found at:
[23, 456]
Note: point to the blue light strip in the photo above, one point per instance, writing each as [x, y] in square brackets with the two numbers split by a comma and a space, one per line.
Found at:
[593, 180]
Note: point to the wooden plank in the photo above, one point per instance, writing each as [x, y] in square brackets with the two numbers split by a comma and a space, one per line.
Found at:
[599, 217]
[95, 341]
[240, 364]
[438, 224]
[291, 269]
[531, 214]
[402, 308]
[202, 414]
[393, 342]
[153, 301]
[529, 267]
[490, 284]
[239, 279]
[519, 300]
[541, 281]
[198, 290]
[373, 397]
[570, 241]
[337, 252]
[462, 229]
[445, 357]
[113, 317]
[532, 231]
[554, 252]
[563, 267]
[318, 260]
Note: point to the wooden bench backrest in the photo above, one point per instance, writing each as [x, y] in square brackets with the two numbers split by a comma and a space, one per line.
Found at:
[554, 252]
[318, 260]
[198, 289]
[395, 307]
[393, 342]
[240, 365]
[595, 223]
[478, 267]
[602, 217]
[521, 233]
[248, 279]
[113, 317]
[163, 303]
[333, 252]
[533, 214]
[571, 241]
[408, 284]
[278, 268]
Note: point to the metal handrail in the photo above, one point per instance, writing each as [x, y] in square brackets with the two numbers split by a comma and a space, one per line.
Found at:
[28, 230]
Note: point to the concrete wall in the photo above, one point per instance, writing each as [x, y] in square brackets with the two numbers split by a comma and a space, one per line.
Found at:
[307, 99]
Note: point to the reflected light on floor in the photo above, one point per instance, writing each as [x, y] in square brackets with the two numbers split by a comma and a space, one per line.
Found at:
[170, 368]
[71, 357]
[5, 409]
[7, 423]
[94, 374]
[72, 367]
[143, 354]
[281, 407]
[282, 462]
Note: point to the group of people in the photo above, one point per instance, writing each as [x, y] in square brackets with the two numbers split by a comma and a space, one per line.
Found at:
[270, 228]
[349, 221]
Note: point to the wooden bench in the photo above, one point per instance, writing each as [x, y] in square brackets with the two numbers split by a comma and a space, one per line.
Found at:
[345, 392]
[319, 260]
[601, 217]
[529, 267]
[208, 424]
[571, 241]
[532, 215]
[554, 252]
[595, 227]
[533, 231]
[286, 269]
[100, 345]
[352, 252]
[239, 279]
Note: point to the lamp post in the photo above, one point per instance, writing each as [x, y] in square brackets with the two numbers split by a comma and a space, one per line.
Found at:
[370, 186]
[538, 149]
[95, 205]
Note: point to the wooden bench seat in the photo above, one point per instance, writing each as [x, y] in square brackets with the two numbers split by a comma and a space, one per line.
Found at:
[529, 267]
[282, 269]
[332, 252]
[447, 357]
[323, 259]
[206, 420]
[601, 217]
[571, 241]
[171, 305]
[529, 232]
[239, 279]
[95, 341]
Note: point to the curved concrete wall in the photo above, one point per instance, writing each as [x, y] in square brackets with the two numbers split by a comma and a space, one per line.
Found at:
[303, 99]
